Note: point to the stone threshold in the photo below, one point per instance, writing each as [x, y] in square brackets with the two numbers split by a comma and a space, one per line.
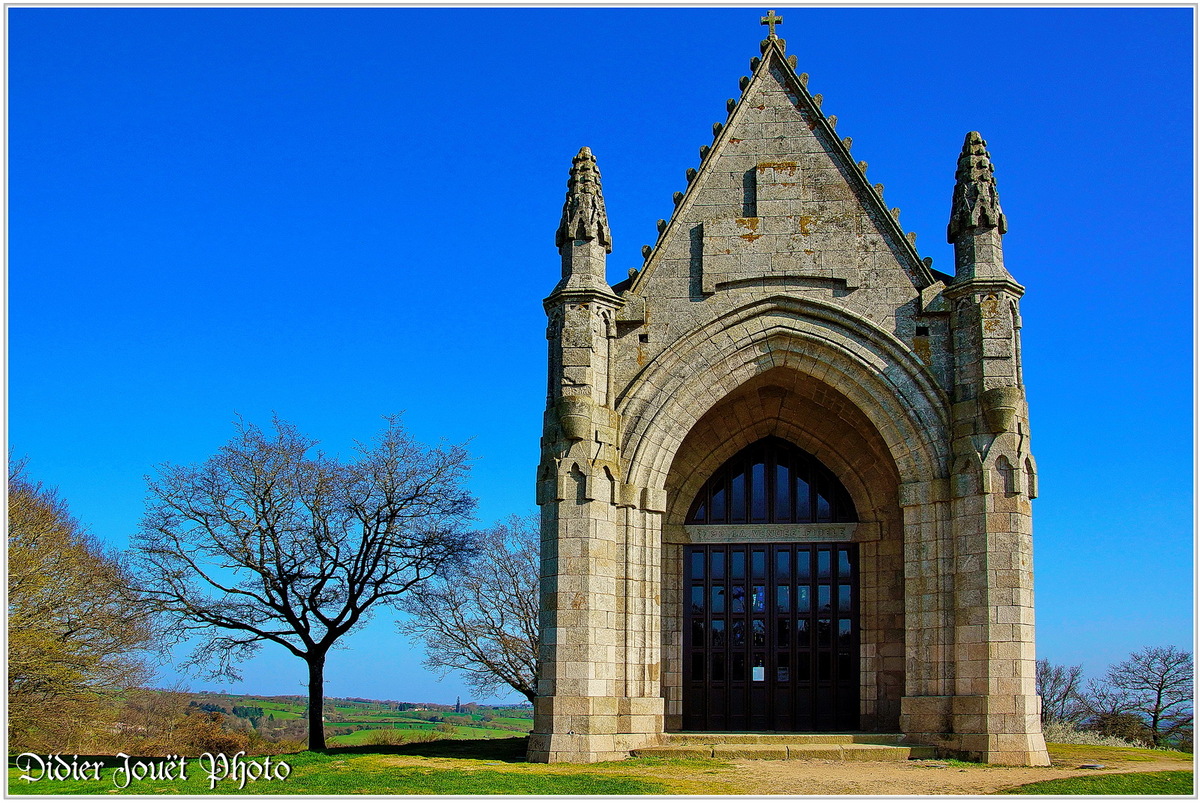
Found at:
[787, 746]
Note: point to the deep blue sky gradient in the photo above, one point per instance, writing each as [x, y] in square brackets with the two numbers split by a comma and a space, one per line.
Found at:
[335, 214]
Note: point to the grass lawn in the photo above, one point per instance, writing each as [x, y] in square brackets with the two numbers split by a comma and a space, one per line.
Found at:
[460, 732]
[1076, 754]
[1175, 782]
[407, 770]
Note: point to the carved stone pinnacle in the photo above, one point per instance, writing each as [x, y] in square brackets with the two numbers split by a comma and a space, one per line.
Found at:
[976, 203]
[584, 216]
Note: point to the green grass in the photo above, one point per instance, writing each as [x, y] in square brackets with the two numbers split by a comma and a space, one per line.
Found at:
[1173, 782]
[1086, 753]
[364, 736]
[366, 770]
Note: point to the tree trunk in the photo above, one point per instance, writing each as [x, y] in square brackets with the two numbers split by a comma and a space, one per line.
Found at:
[316, 703]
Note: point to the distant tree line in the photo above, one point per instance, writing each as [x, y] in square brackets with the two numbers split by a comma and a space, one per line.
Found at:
[1147, 699]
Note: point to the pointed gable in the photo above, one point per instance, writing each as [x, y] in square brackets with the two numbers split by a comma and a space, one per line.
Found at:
[778, 201]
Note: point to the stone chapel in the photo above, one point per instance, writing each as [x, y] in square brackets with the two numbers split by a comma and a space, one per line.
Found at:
[785, 473]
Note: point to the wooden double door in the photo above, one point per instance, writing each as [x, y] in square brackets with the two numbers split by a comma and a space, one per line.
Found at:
[771, 637]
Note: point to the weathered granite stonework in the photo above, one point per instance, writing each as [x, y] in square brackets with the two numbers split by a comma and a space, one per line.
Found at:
[783, 299]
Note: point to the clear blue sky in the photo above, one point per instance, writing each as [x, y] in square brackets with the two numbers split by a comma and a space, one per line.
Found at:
[341, 213]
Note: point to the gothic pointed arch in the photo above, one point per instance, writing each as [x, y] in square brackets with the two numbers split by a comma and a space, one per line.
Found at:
[772, 481]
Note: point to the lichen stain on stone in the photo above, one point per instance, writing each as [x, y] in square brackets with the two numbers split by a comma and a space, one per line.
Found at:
[750, 224]
[734, 140]
[579, 601]
[784, 167]
[806, 224]
[641, 357]
[922, 349]
[809, 251]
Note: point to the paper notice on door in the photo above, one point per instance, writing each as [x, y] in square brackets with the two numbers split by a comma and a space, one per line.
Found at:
[758, 673]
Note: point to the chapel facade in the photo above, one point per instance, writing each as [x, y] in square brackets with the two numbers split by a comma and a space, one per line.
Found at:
[785, 474]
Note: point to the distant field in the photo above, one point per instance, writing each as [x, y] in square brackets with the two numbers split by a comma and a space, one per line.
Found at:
[363, 737]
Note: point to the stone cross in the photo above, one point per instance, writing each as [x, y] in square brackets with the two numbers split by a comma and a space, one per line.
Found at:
[770, 21]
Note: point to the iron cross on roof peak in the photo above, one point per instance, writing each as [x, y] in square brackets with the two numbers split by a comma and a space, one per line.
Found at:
[771, 21]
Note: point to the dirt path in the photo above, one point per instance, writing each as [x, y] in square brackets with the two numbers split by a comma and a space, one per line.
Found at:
[816, 777]
[902, 777]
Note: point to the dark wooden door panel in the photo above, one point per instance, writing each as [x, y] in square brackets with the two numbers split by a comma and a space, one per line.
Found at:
[771, 637]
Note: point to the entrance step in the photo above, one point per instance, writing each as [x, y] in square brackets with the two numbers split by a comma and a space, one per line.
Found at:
[781, 746]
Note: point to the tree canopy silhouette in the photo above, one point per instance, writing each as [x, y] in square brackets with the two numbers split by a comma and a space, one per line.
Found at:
[272, 540]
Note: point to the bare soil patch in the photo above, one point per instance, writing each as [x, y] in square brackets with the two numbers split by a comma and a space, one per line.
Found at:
[905, 777]
[819, 777]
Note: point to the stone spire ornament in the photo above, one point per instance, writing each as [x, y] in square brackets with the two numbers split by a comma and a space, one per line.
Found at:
[583, 216]
[976, 204]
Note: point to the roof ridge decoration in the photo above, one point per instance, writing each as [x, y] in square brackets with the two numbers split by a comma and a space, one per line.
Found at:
[583, 215]
[976, 201]
[773, 47]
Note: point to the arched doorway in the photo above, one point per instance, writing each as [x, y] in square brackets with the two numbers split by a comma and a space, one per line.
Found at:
[771, 630]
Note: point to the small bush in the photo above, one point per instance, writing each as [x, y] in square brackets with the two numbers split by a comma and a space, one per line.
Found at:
[1066, 733]
[398, 737]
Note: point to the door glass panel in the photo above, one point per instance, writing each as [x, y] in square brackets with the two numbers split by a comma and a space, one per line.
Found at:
[823, 668]
[783, 565]
[783, 493]
[758, 493]
[718, 666]
[783, 599]
[698, 632]
[802, 600]
[737, 570]
[803, 567]
[802, 667]
[843, 563]
[844, 666]
[824, 628]
[782, 661]
[843, 631]
[737, 498]
[782, 632]
[739, 599]
[802, 635]
[718, 599]
[739, 666]
[700, 515]
[759, 670]
[718, 633]
[758, 602]
[697, 565]
[697, 600]
[718, 504]
[717, 564]
[823, 598]
[738, 634]
[844, 598]
[758, 564]
[824, 509]
[803, 501]
[822, 564]
[759, 633]
[697, 666]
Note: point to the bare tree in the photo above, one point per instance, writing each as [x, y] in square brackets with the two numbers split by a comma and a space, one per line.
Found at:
[1157, 684]
[1059, 689]
[271, 540]
[75, 638]
[482, 618]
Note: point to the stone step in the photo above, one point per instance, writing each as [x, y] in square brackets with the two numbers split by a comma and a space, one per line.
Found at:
[784, 738]
[843, 751]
